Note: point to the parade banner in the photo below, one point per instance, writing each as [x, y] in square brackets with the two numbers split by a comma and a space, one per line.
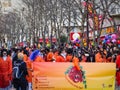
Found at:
[64, 76]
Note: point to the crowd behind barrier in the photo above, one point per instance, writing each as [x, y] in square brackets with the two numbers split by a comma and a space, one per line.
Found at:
[9, 58]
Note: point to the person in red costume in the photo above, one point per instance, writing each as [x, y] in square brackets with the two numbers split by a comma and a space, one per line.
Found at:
[61, 56]
[118, 69]
[5, 71]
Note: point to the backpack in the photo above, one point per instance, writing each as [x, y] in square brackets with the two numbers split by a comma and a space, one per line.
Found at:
[16, 71]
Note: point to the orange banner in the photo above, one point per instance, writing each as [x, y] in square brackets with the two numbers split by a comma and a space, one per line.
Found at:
[64, 76]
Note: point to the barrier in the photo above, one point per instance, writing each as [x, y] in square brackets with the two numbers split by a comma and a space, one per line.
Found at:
[64, 76]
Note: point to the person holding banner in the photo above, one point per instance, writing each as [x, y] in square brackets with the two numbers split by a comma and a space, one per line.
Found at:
[75, 61]
[84, 58]
[98, 57]
[50, 56]
[29, 69]
[36, 56]
[69, 55]
[39, 59]
[55, 54]
[61, 56]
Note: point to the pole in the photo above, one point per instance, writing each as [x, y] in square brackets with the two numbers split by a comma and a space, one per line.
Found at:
[87, 26]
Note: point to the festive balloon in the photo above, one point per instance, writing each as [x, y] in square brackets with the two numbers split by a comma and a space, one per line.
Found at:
[77, 40]
[106, 37]
[118, 41]
[109, 36]
[104, 41]
[114, 40]
[113, 36]
[119, 45]
[108, 41]
[74, 41]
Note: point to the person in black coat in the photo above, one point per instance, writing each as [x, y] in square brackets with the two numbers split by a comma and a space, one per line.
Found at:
[21, 83]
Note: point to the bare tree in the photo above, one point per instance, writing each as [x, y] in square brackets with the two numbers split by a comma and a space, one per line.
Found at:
[47, 18]
[101, 11]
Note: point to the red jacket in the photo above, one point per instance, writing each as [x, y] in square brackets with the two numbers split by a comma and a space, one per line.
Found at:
[60, 58]
[5, 72]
